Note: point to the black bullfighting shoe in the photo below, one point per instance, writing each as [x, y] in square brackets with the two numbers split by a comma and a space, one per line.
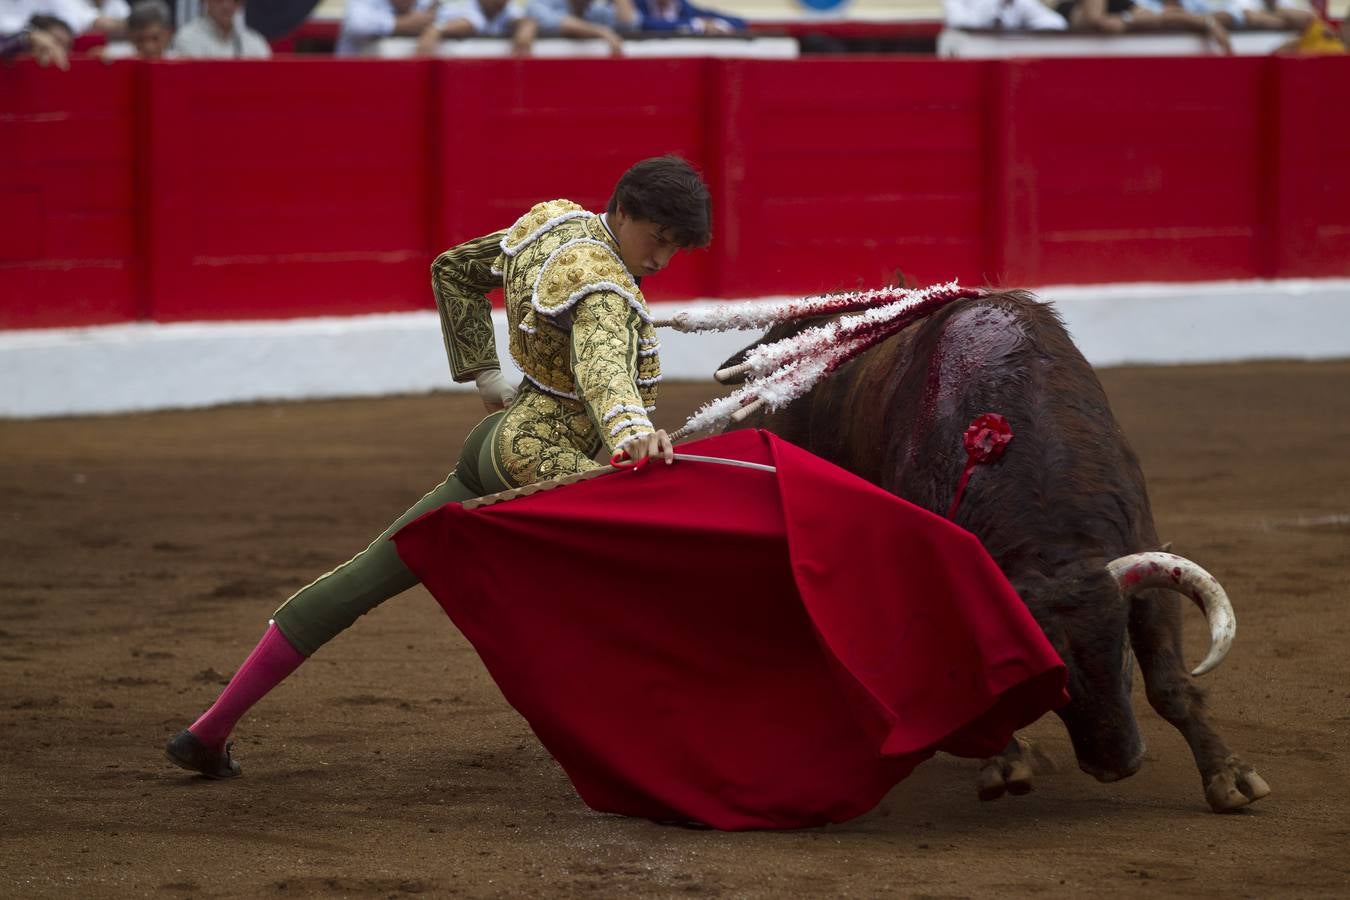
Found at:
[186, 751]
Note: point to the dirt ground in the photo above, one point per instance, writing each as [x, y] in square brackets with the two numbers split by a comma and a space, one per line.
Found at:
[142, 555]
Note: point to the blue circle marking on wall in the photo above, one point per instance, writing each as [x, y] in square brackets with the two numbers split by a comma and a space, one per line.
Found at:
[823, 5]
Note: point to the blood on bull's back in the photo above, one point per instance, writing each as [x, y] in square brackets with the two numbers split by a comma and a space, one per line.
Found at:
[1069, 485]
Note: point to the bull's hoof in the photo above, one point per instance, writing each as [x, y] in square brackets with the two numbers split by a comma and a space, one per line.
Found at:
[1234, 786]
[1012, 772]
[999, 776]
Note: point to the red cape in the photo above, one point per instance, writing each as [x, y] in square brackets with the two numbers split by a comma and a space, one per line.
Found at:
[703, 643]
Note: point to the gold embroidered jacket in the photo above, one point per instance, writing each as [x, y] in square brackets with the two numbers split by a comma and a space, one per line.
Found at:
[579, 330]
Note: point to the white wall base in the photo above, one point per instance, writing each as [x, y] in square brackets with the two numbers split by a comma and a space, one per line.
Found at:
[126, 368]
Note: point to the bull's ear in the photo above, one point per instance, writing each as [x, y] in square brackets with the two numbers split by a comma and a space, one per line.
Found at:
[1166, 547]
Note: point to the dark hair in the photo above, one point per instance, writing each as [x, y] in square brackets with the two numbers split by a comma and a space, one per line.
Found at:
[668, 191]
[146, 13]
[40, 22]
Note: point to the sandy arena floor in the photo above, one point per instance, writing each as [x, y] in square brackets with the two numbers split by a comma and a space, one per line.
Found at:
[142, 555]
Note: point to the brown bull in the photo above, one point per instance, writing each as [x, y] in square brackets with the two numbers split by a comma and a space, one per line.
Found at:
[1064, 513]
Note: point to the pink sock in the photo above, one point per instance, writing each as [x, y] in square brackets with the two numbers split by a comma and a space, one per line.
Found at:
[266, 667]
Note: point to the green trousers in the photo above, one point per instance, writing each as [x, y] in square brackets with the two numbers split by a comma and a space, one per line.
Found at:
[316, 613]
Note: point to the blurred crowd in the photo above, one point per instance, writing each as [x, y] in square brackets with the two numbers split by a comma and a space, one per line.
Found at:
[46, 29]
[431, 21]
[1212, 19]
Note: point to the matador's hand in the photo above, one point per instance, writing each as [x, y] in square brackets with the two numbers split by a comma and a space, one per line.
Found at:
[496, 391]
[651, 446]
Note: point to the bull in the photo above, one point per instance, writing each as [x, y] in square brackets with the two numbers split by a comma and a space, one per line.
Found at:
[1065, 514]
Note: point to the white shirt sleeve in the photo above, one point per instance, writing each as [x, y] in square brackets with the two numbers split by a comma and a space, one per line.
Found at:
[254, 45]
[368, 19]
[548, 13]
[115, 9]
[602, 12]
[462, 9]
[1035, 14]
[504, 23]
[971, 13]
[78, 14]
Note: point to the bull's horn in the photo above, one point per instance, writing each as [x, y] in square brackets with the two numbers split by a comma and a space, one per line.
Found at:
[1139, 571]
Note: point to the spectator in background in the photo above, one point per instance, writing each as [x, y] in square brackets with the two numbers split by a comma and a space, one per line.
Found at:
[683, 17]
[366, 21]
[1118, 16]
[1173, 15]
[45, 38]
[1293, 14]
[150, 29]
[479, 18]
[1010, 15]
[1106, 16]
[1319, 39]
[110, 17]
[585, 19]
[220, 34]
[75, 16]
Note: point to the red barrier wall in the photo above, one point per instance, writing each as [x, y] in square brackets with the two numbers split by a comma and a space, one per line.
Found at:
[841, 173]
[288, 188]
[178, 191]
[1154, 174]
[1311, 173]
[511, 133]
[68, 241]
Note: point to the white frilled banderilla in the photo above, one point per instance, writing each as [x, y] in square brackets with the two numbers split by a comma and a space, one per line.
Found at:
[778, 373]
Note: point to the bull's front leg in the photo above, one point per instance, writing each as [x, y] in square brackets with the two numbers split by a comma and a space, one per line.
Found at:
[1155, 634]
[1012, 771]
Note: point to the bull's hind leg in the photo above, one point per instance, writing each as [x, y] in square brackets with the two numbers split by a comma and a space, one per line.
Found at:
[1155, 634]
[1012, 771]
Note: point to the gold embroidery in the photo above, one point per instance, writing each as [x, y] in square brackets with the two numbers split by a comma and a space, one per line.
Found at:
[539, 215]
[582, 262]
[541, 437]
[605, 332]
[460, 279]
